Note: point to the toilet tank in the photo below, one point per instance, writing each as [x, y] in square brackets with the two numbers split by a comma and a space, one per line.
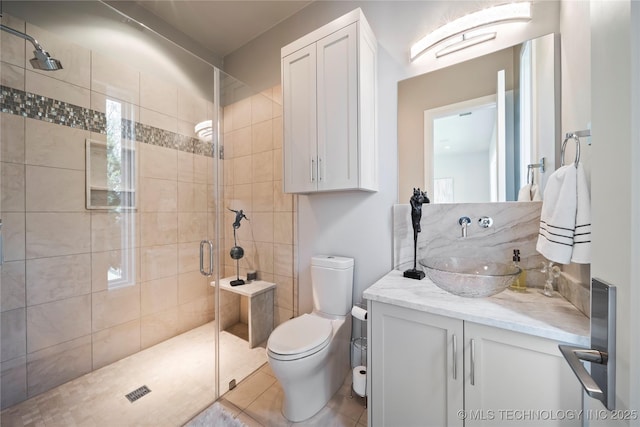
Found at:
[332, 284]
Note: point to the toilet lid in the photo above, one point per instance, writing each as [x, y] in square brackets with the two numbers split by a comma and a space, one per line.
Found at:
[300, 335]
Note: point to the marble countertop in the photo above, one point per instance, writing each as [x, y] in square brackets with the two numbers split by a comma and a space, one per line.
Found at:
[531, 312]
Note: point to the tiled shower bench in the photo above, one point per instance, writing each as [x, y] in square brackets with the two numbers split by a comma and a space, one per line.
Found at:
[247, 310]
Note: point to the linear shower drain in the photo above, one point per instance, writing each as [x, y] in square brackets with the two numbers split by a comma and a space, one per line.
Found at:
[138, 393]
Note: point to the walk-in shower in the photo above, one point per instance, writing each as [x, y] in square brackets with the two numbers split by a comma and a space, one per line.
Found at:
[107, 191]
[42, 60]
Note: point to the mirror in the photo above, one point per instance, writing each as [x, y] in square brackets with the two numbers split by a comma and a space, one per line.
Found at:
[468, 132]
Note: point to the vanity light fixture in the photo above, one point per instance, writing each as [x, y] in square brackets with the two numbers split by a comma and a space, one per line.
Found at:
[463, 41]
[457, 32]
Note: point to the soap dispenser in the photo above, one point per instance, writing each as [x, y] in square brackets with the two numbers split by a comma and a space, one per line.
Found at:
[520, 282]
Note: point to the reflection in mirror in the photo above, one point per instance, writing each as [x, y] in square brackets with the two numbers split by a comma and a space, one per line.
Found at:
[479, 124]
[462, 140]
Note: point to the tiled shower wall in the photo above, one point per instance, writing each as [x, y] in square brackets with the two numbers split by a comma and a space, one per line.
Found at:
[253, 182]
[59, 319]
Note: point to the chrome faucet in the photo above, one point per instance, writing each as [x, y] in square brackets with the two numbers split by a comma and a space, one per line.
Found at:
[464, 221]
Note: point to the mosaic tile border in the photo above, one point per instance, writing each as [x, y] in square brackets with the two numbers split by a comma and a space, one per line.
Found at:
[33, 106]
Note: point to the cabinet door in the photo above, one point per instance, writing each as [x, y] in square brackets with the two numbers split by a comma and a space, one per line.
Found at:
[416, 368]
[517, 379]
[337, 91]
[300, 137]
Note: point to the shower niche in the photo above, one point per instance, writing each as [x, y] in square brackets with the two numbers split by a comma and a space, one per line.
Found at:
[111, 174]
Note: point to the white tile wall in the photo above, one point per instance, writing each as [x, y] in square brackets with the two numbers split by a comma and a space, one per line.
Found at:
[252, 178]
[13, 48]
[56, 278]
[113, 78]
[76, 60]
[59, 317]
[52, 234]
[55, 146]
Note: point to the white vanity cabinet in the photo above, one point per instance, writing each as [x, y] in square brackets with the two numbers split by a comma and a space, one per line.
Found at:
[415, 369]
[432, 370]
[329, 108]
[521, 378]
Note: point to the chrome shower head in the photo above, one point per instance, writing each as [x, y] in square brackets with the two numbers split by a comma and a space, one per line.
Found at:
[42, 60]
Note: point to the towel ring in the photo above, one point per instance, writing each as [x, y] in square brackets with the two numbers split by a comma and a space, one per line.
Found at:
[564, 144]
[530, 175]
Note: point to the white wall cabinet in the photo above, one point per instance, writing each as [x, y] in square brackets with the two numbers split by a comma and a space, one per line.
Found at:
[430, 370]
[329, 108]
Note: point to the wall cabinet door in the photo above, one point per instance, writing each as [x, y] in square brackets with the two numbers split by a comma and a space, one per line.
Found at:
[337, 92]
[416, 364]
[329, 97]
[299, 110]
[517, 380]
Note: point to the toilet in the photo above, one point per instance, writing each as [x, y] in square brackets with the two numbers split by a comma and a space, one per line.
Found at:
[309, 354]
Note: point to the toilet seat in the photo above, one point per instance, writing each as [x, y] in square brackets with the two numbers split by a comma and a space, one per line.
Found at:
[300, 337]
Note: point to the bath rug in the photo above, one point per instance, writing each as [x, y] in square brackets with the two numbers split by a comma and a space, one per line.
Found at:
[215, 416]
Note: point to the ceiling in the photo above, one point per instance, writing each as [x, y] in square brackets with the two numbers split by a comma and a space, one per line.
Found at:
[464, 132]
[213, 29]
[220, 26]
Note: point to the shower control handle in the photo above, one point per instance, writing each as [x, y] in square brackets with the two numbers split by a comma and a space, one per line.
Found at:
[204, 243]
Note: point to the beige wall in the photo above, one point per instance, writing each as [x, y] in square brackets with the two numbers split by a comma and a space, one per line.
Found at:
[253, 182]
[60, 319]
[469, 80]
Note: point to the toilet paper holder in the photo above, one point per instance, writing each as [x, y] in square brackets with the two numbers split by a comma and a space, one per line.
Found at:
[359, 355]
[359, 368]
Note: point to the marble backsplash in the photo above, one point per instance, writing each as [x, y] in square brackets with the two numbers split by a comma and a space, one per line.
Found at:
[515, 226]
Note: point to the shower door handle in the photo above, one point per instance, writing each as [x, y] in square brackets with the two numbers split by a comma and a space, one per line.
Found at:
[204, 243]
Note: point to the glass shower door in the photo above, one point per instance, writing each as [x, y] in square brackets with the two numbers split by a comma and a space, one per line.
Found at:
[255, 221]
[107, 192]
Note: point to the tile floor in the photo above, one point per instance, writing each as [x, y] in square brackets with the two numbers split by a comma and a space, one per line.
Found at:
[257, 401]
[179, 372]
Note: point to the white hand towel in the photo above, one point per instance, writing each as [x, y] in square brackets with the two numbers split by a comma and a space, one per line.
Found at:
[558, 216]
[524, 195]
[582, 236]
[529, 193]
[537, 194]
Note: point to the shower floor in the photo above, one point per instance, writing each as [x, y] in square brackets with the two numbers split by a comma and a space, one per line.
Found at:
[179, 372]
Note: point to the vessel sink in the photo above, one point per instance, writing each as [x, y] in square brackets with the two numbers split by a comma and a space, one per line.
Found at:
[470, 277]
